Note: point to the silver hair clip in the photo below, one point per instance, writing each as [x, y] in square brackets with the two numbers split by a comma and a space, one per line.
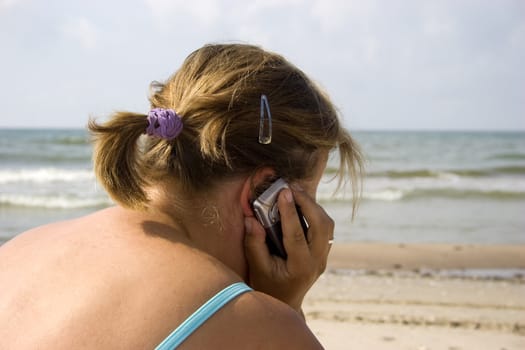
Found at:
[155, 87]
[265, 123]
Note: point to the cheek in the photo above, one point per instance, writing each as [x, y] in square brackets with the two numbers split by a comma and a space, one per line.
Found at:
[309, 187]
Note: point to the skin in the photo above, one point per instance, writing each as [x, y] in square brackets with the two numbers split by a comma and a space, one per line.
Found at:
[124, 279]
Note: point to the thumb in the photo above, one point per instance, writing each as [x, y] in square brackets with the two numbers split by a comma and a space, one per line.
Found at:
[256, 251]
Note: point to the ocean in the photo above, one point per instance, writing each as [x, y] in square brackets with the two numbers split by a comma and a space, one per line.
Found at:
[420, 187]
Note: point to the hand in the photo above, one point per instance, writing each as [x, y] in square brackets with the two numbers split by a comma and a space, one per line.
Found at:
[289, 280]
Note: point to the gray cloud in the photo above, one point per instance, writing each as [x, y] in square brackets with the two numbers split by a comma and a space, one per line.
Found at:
[387, 64]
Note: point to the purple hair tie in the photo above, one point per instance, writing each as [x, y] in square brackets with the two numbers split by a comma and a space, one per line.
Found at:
[164, 123]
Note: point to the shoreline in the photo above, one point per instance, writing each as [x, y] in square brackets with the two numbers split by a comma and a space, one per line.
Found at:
[403, 296]
[434, 256]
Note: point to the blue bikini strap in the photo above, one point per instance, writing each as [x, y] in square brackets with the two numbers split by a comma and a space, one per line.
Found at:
[202, 314]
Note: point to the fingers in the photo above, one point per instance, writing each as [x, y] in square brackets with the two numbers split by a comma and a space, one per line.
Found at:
[303, 255]
[321, 226]
[294, 241]
[289, 280]
[256, 251]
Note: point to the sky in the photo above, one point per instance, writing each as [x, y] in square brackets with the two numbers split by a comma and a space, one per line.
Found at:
[388, 65]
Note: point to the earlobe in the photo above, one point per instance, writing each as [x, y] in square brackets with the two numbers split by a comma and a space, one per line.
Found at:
[261, 176]
[246, 198]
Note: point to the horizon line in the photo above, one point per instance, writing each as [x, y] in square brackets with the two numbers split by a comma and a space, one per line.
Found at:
[458, 130]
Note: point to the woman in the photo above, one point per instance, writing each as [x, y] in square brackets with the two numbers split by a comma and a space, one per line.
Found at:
[183, 234]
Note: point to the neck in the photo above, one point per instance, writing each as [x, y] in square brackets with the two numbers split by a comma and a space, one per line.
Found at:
[212, 222]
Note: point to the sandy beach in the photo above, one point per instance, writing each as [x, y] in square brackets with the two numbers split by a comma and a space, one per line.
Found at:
[434, 296]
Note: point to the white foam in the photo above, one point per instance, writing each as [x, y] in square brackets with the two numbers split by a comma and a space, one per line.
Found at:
[386, 195]
[45, 175]
[52, 202]
[395, 189]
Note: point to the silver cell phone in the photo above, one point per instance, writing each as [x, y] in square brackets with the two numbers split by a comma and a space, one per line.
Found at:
[267, 213]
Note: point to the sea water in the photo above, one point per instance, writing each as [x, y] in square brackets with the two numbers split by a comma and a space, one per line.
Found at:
[447, 187]
[450, 187]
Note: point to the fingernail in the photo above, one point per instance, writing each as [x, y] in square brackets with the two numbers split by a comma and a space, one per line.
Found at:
[297, 187]
[288, 196]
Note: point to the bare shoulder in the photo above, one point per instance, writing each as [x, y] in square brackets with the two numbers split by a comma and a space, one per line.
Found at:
[255, 321]
[275, 324]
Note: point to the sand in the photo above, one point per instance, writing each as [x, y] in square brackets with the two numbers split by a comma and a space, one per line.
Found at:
[381, 296]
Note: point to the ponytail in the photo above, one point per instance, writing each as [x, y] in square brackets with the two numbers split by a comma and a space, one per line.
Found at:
[217, 91]
[115, 161]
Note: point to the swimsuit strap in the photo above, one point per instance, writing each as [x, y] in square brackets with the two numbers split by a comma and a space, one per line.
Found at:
[202, 314]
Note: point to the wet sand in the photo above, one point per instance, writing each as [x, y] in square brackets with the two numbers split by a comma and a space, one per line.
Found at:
[433, 256]
[384, 296]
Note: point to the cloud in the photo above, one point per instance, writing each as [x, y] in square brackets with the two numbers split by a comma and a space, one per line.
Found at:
[387, 64]
[199, 12]
[81, 30]
[7, 4]
[336, 15]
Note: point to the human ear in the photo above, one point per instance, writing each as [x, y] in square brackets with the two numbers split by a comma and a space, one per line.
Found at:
[248, 193]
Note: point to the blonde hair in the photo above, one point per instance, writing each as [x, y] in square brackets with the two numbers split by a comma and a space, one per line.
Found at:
[217, 92]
